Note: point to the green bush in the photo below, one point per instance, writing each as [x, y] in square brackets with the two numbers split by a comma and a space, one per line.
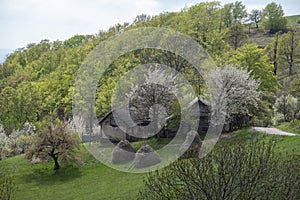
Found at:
[239, 171]
[6, 184]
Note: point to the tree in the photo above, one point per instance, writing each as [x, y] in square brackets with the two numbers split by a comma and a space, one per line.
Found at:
[287, 105]
[233, 15]
[236, 86]
[226, 15]
[274, 19]
[205, 21]
[272, 52]
[251, 58]
[239, 12]
[294, 88]
[157, 90]
[232, 92]
[141, 19]
[289, 51]
[256, 16]
[53, 142]
[248, 170]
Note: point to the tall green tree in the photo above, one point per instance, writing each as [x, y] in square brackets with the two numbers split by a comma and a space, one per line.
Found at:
[274, 19]
[253, 59]
[289, 52]
[234, 15]
[272, 52]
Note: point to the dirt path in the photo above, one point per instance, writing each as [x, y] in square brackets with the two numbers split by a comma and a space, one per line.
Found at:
[273, 131]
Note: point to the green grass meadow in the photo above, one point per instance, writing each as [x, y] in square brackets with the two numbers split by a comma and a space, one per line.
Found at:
[93, 180]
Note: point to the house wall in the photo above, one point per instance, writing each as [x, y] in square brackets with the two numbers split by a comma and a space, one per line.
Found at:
[110, 129]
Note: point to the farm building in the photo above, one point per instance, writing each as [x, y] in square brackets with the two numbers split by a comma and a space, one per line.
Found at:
[110, 129]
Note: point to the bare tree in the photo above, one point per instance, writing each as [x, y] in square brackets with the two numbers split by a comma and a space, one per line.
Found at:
[256, 16]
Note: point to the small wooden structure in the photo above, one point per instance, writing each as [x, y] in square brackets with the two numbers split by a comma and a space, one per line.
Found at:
[110, 129]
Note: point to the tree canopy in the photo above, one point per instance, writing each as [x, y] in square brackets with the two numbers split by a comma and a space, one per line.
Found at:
[37, 81]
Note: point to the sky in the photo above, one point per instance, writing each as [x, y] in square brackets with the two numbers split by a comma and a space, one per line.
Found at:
[30, 21]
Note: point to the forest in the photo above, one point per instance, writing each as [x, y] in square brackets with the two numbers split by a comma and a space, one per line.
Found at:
[37, 81]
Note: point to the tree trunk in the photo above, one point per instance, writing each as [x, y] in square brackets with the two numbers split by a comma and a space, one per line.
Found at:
[56, 164]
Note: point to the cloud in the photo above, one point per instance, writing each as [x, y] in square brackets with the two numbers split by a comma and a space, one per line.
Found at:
[33, 20]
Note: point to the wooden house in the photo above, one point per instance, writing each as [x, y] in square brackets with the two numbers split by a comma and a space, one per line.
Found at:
[110, 129]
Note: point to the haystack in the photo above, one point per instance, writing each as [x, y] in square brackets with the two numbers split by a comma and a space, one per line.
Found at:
[191, 146]
[145, 157]
[123, 153]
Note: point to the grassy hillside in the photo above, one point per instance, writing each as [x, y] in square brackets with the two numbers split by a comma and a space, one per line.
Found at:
[293, 20]
[293, 127]
[91, 181]
[96, 181]
[262, 38]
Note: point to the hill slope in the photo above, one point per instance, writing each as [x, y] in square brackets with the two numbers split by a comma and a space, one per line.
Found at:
[96, 181]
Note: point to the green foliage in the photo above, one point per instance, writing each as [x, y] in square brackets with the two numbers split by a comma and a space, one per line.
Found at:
[37, 81]
[287, 106]
[95, 180]
[272, 52]
[53, 142]
[253, 59]
[289, 54]
[239, 171]
[7, 184]
[274, 19]
[292, 127]
[294, 88]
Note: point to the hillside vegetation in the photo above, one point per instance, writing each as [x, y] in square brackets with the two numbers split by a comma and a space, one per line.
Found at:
[36, 81]
[257, 53]
[94, 180]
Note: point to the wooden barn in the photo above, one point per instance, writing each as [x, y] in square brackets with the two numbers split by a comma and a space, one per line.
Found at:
[110, 129]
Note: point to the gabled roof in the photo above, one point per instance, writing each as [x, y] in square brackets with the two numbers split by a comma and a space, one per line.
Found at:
[197, 99]
[121, 111]
[124, 115]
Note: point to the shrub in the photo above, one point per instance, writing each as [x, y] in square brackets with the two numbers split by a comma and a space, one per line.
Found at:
[277, 119]
[287, 105]
[6, 184]
[240, 171]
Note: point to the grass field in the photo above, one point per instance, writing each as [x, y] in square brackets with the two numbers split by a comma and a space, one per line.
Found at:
[293, 20]
[91, 181]
[293, 127]
[262, 38]
[97, 181]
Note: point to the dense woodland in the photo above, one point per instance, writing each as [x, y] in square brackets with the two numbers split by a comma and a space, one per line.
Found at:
[36, 82]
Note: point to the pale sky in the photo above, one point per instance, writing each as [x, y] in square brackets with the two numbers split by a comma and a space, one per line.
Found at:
[29, 21]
